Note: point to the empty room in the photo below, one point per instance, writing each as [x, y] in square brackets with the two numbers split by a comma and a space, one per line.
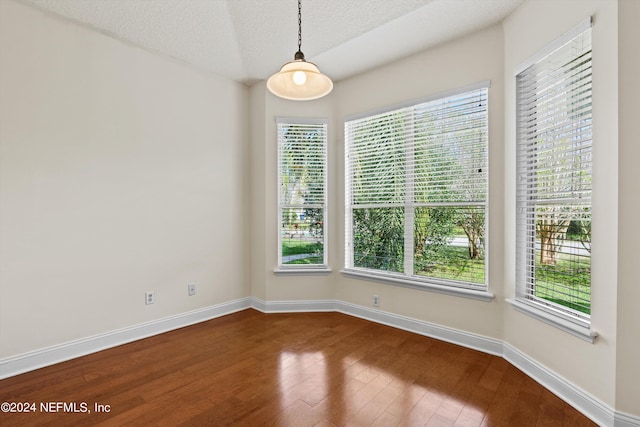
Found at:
[319, 212]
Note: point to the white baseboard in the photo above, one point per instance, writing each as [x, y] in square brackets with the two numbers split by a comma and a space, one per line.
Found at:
[300, 306]
[625, 420]
[584, 402]
[32, 360]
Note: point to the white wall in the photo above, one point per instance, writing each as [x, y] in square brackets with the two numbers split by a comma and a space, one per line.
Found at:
[588, 366]
[120, 171]
[257, 207]
[628, 322]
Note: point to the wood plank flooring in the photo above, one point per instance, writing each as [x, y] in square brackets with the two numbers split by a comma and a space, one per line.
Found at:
[296, 369]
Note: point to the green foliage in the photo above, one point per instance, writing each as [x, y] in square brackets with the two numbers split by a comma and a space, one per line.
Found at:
[434, 229]
[304, 261]
[472, 221]
[580, 230]
[567, 283]
[314, 221]
[573, 231]
[456, 265]
[379, 238]
[299, 246]
[380, 154]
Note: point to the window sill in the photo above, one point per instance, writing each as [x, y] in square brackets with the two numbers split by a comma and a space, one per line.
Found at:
[419, 284]
[580, 330]
[298, 270]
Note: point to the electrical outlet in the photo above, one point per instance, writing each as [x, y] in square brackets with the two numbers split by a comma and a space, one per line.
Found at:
[376, 301]
[191, 288]
[149, 297]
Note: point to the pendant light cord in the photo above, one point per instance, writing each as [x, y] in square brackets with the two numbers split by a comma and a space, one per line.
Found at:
[299, 56]
[299, 25]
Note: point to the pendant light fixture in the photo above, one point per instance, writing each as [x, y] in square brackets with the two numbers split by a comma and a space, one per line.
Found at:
[299, 80]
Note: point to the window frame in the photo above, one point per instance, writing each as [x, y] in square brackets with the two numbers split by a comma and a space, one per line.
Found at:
[473, 291]
[564, 318]
[323, 268]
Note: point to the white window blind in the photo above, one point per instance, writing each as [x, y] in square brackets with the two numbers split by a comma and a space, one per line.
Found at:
[302, 164]
[416, 191]
[553, 187]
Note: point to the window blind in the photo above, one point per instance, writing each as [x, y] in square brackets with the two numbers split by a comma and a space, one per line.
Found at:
[302, 157]
[416, 180]
[553, 189]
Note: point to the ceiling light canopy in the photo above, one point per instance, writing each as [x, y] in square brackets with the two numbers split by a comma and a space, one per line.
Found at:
[299, 80]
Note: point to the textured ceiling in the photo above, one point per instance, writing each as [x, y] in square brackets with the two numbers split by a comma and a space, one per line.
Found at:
[248, 40]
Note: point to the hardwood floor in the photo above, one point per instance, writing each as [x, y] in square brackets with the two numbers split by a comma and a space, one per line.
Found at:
[297, 369]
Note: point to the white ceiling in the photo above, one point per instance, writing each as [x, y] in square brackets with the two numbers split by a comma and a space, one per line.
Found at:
[248, 40]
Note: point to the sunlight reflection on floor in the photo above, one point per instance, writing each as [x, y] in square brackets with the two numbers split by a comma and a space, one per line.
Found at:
[315, 386]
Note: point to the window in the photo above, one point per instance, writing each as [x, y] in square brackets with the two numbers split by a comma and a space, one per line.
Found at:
[553, 186]
[416, 192]
[302, 197]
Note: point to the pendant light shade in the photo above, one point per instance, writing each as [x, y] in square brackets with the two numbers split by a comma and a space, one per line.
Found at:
[299, 80]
